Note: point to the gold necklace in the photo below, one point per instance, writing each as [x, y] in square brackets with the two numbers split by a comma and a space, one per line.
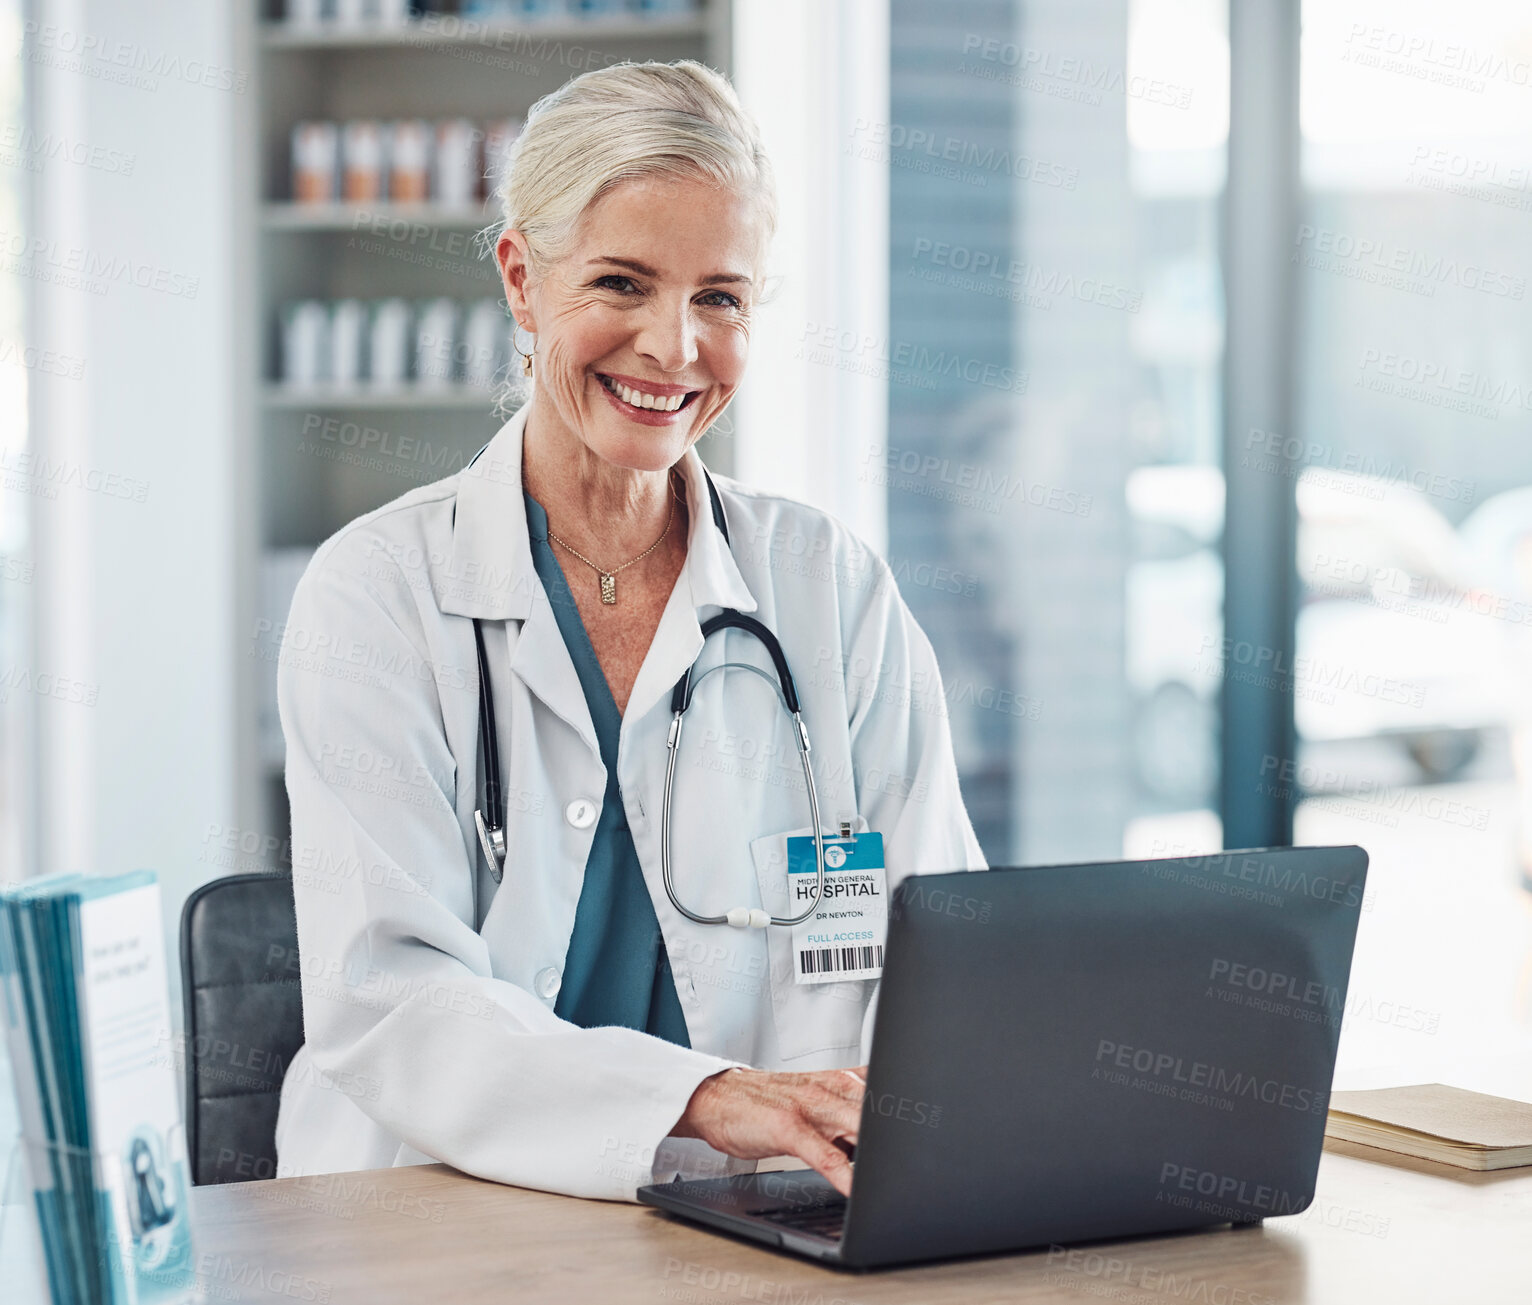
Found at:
[609, 578]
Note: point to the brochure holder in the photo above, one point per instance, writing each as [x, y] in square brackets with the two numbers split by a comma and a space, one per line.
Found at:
[87, 1228]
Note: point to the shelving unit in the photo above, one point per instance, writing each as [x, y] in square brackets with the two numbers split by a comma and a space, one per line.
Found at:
[358, 399]
[305, 481]
[362, 217]
[450, 30]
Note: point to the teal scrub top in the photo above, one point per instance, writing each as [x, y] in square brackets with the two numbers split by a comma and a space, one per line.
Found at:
[617, 971]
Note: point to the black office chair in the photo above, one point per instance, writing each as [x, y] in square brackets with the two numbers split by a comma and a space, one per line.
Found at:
[244, 1021]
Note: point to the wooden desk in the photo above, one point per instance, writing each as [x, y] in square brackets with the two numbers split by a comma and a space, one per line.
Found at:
[1398, 1231]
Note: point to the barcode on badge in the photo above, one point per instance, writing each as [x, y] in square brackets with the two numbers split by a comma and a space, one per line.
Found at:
[824, 960]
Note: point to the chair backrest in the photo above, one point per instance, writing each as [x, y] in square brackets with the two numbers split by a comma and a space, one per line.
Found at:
[244, 1021]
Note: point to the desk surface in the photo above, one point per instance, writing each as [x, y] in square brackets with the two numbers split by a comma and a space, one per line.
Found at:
[1393, 1230]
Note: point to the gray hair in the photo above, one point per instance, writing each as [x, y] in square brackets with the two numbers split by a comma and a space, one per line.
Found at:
[619, 122]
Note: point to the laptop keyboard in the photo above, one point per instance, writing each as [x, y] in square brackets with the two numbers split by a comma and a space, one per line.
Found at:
[821, 1219]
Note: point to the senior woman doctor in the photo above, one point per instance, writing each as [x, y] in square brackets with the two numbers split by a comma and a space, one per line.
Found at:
[567, 1027]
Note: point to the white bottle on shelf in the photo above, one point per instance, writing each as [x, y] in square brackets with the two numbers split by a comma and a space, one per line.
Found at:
[455, 167]
[363, 152]
[315, 159]
[305, 13]
[306, 343]
[499, 136]
[409, 161]
[436, 344]
[389, 345]
[348, 341]
[485, 344]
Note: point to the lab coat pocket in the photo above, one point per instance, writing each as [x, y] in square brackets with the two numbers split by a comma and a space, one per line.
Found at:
[809, 1017]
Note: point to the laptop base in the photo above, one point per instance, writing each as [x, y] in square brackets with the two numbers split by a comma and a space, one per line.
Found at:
[761, 1207]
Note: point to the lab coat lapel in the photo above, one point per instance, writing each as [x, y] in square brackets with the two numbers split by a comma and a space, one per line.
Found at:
[491, 577]
[490, 573]
[542, 662]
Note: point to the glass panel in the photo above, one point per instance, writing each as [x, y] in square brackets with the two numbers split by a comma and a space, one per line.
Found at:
[1414, 443]
[18, 156]
[1055, 498]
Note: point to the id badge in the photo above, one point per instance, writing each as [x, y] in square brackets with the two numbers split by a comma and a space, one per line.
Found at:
[844, 938]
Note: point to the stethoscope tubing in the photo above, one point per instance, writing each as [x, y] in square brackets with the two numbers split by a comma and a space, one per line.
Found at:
[487, 817]
[741, 917]
[491, 836]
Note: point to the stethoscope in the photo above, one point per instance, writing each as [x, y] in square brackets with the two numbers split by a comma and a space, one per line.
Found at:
[492, 831]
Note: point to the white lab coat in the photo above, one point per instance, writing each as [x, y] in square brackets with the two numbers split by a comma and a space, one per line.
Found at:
[428, 990]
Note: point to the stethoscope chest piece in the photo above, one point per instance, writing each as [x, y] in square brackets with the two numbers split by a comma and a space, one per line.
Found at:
[492, 841]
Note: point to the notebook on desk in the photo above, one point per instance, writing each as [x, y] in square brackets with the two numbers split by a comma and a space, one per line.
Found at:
[1436, 1122]
[1080, 1052]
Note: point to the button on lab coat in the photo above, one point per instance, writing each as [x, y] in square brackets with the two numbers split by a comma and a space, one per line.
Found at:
[428, 989]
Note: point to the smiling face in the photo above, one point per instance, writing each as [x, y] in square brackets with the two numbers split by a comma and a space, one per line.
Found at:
[643, 327]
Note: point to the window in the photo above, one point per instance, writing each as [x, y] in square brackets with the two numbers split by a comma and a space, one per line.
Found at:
[1414, 435]
[1054, 498]
[19, 157]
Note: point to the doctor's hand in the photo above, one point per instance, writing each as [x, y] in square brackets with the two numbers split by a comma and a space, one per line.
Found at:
[753, 1114]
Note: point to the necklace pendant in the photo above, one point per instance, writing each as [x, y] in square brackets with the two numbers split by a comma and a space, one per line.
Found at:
[608, 587]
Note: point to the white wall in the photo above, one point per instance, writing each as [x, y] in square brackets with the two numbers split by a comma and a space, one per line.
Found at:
[135, 599]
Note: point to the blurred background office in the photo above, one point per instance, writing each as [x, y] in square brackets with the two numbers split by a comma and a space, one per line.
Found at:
[1176, 353]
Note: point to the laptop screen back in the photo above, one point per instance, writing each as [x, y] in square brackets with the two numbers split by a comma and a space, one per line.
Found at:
[1102, 1050]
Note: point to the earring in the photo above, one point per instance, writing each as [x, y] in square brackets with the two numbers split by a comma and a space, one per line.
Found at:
[526, 354]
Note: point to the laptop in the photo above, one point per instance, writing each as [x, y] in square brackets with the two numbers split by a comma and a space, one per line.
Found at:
[1080, 1052]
